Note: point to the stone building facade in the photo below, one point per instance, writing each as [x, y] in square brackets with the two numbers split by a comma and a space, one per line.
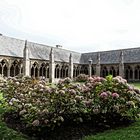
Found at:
[19, 56]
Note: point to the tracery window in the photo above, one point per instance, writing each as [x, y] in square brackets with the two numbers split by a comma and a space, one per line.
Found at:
[15, 68]
[57, 71]
[34, 70]
[4, 68]
[104, 72]
[128, 73]
[112, 71]
[64, 71]
[137, 72]
[42, 71]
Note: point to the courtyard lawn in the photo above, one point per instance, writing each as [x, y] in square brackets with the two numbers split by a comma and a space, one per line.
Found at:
[9, 134]
[136, 84]
[128, 133]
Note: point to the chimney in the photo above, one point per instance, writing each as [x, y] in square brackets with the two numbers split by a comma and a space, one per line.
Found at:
[58, 46]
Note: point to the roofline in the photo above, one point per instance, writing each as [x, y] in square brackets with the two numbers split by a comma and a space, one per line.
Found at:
[28, 41]
[112, 50]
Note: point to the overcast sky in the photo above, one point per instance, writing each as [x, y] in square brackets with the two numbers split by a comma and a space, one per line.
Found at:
[79, 25]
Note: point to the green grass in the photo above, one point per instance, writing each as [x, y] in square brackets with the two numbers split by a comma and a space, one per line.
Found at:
[9, 134]
[129, 133]
[136, 84]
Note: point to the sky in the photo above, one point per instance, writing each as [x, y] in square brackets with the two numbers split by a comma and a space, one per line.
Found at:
[78, 25]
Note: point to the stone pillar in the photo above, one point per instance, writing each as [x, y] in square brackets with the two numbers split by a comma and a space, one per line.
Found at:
[133, 69]
[26, 60]
[20, 69]
[121, 65]
[89, 68]
[8, 73]
[51, 67]
[98, 66]
[71, 66]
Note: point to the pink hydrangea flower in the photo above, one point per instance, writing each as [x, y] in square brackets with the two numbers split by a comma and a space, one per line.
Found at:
[115, 95]
[103, 95]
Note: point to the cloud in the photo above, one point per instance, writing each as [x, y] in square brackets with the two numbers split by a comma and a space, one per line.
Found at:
[81, 25]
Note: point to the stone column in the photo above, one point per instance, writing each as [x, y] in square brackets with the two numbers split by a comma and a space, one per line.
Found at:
[71, 66]
[133, 69]
[8, 73]
[51, 67]
[26, 60]
[20, 69]
[90, 69]
[121, 65]
[98, 66]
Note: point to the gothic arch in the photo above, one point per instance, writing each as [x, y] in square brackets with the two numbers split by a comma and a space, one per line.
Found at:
[137, 72]
[35, 69]
[112, 71]
[15, 68]
[57, 71]
[84, 70]
[78, 68]
[64, 71]
[42, 70]
[4, 67]
[129, 72]
[104, 71]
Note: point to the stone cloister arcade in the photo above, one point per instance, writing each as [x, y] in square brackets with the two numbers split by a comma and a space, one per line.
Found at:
[13, 67]
[40, 69]
[38, 60]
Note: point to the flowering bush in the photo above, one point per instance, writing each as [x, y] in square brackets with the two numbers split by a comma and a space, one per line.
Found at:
[99, 100]
[81, 78]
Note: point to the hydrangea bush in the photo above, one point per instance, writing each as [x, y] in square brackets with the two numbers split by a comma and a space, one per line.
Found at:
[98, 100]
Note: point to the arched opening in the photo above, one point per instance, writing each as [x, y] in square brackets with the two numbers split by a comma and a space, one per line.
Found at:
[15, 68]
[129, 73]
[78, 70]
[42, 70]
[86, 70]
[64, 71]
[112, 71]
[104, 72]
[92, 71]
[34, 70]
[4, 68]
[12, 71]
[5, 71]
[57, 71]
[137, 72]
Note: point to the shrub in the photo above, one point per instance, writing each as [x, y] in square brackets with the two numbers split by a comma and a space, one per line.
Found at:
[81, 78]
[99, 100]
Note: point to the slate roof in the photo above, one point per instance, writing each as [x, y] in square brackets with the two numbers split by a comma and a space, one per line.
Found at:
[131, 55]
[14, 47]
[11, 46]
[106, 57]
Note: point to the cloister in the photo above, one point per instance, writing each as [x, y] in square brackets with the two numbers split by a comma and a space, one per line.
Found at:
[57, 63]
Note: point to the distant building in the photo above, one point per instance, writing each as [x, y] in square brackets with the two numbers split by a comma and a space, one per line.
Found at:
[19, 56]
